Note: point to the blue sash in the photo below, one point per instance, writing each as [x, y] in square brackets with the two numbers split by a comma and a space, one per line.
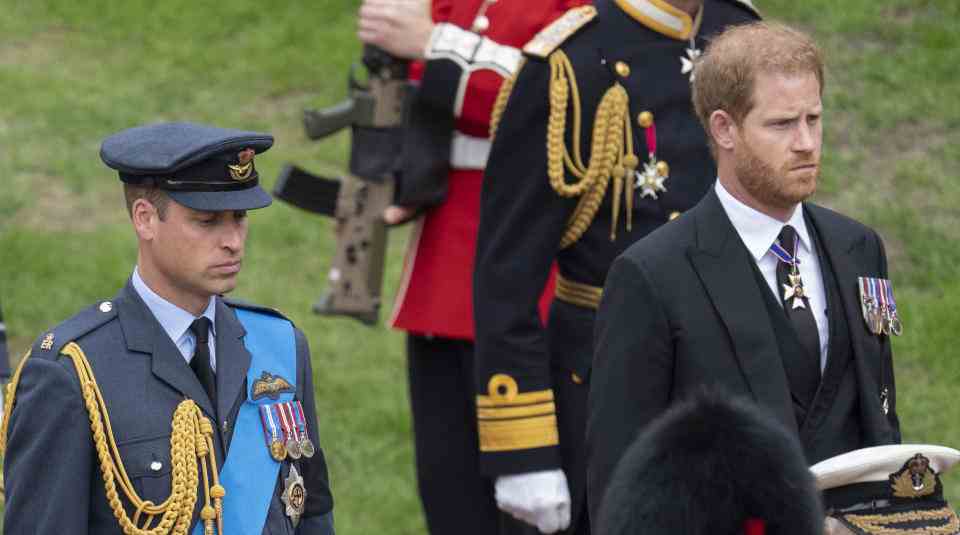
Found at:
[249, 474]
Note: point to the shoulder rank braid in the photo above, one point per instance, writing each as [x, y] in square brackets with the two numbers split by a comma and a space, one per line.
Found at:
[191, 453]
[611, 151]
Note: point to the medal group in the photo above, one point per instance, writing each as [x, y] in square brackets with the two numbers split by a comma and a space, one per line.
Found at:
[878, 306]
[286, 431]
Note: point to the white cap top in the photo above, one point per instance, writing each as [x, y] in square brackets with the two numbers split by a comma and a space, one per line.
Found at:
[877, 463]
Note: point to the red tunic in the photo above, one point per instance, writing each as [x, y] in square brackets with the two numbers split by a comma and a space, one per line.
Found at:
[436, 290]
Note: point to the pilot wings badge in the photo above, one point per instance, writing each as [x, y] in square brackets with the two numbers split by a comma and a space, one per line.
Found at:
[269, 385]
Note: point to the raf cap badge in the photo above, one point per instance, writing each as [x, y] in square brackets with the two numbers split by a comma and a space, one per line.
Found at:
[243, 170]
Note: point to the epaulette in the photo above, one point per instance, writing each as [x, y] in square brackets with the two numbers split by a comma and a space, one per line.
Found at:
[748, 5]
[87, 320]
[549, 38]
[246, 305]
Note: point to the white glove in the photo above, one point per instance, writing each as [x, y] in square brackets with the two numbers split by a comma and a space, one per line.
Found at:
[541, 499]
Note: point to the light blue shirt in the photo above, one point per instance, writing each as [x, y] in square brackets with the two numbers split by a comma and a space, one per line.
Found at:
[758, 232]
[176, 321]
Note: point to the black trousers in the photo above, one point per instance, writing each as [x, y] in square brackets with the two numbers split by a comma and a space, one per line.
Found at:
[456, 499]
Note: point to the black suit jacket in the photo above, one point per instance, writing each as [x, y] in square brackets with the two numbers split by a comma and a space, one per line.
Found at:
[682, 309]
[53, 479]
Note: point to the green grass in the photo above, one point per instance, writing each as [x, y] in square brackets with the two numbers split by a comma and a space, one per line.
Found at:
[72, 73]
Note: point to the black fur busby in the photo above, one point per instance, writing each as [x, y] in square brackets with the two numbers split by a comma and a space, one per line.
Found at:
[705, 467]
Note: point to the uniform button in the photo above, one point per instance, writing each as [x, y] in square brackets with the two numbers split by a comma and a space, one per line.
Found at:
[663, 168]
[106, 306]
[674, 215]
[622, 69]
[156, 466]
[645, 119]
[576, 379]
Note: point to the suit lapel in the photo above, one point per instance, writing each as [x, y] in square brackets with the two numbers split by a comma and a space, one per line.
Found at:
[842, 252]
[144, 334]
[845, 252]
[233, 359]
[723, 264]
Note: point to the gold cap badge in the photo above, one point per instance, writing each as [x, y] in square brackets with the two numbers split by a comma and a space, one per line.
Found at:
[243, 171]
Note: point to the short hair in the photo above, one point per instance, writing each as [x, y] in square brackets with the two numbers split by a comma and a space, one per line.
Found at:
[725, 75]
[151, 194]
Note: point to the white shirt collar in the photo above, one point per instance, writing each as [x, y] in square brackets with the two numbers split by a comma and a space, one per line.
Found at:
[174, 320]
[758, 230]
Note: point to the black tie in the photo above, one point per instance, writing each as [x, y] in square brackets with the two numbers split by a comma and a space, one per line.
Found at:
[804, 376]
[200, 363]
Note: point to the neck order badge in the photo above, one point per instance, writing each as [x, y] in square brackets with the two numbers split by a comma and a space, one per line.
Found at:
[794, 290]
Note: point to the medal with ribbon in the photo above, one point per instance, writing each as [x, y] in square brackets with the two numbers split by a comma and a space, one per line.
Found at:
[878, 306]
[655, 172]
[290, 429]
[794, 290]
[272, 433]
[306, 445]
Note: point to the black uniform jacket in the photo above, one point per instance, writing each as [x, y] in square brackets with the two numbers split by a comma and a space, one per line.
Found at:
[683, 309]
[53, 479]
[523, 218]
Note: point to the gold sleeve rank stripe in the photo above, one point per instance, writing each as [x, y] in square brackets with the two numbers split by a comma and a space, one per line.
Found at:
[509, 420]
[503, 413]
[527, 398]
[549, 38]
[526, 433]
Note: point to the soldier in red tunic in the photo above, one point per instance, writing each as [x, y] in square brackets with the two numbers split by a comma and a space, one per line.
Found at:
[463, 50]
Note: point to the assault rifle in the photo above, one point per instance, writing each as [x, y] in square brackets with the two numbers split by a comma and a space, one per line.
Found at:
[374, 113]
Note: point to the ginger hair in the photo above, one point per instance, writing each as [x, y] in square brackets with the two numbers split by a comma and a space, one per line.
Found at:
[727, 71]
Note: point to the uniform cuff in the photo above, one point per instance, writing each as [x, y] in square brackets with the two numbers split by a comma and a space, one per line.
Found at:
[519, 461]
[517, 429]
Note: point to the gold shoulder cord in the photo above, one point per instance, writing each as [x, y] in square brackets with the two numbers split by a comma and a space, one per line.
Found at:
[191, 452]
[502, 96]
[611, 151]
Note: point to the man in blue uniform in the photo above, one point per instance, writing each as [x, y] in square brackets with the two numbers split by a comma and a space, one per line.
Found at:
[170, 408]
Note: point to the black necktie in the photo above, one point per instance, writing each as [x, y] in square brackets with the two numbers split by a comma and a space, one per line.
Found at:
[200, 363]
[804, 376]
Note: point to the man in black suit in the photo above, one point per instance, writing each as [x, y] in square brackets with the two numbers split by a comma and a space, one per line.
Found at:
[753, 290]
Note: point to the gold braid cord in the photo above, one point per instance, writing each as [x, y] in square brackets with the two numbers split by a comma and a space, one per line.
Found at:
[191, 452]
[503, 95]
[611, 151]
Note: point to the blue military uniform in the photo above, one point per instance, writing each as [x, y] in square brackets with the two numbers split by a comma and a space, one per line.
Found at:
[52, 466]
